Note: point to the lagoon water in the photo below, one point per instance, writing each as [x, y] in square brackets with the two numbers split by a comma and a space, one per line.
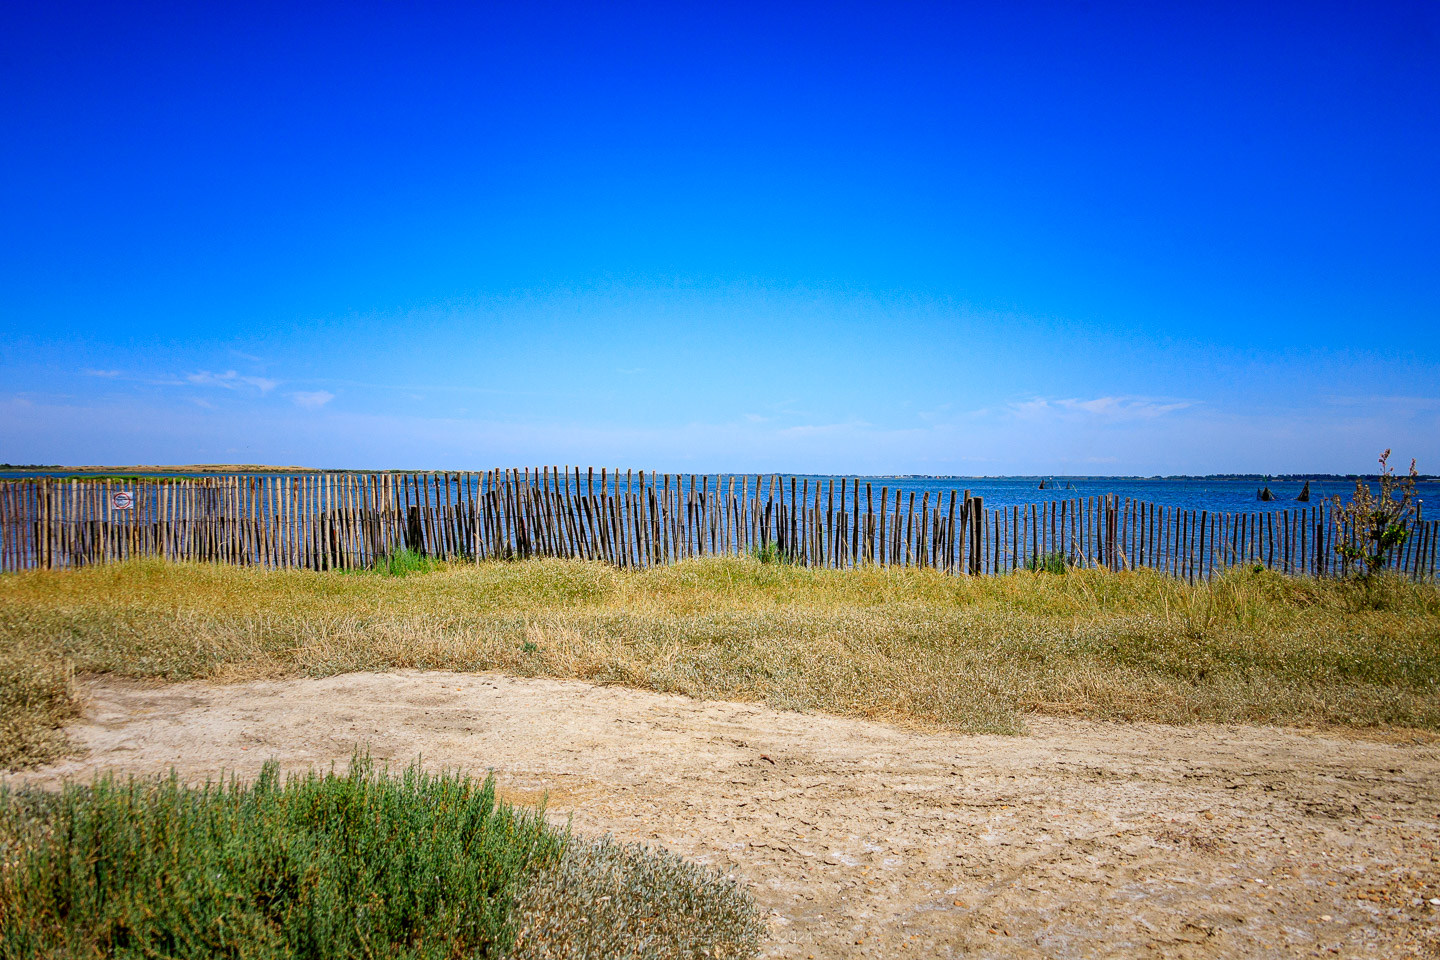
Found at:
[1215, 495]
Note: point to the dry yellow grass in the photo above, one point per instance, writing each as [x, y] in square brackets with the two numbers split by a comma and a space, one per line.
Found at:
[913, 647]
[37, 698]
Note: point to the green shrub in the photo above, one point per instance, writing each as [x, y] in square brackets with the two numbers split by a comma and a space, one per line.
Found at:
[363, 864]
[322, 866]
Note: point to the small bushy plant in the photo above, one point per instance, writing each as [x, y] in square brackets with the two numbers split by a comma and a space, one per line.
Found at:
[352, 865]
[361, 864]
[1377, 523]
[613, 900]
[770, 553]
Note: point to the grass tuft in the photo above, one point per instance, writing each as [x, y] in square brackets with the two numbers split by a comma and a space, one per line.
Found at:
[402, 563]
[1053, 562]
[769, 553]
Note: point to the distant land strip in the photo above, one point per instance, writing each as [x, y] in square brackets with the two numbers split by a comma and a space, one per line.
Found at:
[265, 468]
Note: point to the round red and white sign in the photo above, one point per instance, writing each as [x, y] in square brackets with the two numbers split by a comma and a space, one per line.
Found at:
[123, 500]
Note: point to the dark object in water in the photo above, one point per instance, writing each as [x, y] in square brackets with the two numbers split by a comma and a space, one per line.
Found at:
[1304, 493]
[1264, 494]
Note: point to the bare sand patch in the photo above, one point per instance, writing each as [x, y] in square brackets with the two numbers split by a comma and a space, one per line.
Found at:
[1080, 839]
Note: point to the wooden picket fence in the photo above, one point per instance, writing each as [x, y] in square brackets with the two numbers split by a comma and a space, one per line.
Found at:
[323, 521]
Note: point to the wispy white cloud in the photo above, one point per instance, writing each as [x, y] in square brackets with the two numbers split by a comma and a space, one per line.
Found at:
[1099, 408]
[230, 380]
[939, 414]
[848, 428]
[101, 373]
[312, 399]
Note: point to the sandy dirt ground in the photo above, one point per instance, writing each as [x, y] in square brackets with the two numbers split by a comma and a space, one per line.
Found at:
[860, 839]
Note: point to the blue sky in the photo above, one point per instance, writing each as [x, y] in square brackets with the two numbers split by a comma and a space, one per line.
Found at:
[969, 239]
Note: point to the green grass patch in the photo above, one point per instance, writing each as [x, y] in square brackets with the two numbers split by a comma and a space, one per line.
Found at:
[360, 864]
[769, 553]
[403, 563]
[1053, 562]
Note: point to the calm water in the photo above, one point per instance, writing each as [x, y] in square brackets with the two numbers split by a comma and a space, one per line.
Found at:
[1233, 496]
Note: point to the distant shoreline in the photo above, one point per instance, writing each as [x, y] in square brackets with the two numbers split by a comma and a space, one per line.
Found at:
[145, 469]
[203, 468]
